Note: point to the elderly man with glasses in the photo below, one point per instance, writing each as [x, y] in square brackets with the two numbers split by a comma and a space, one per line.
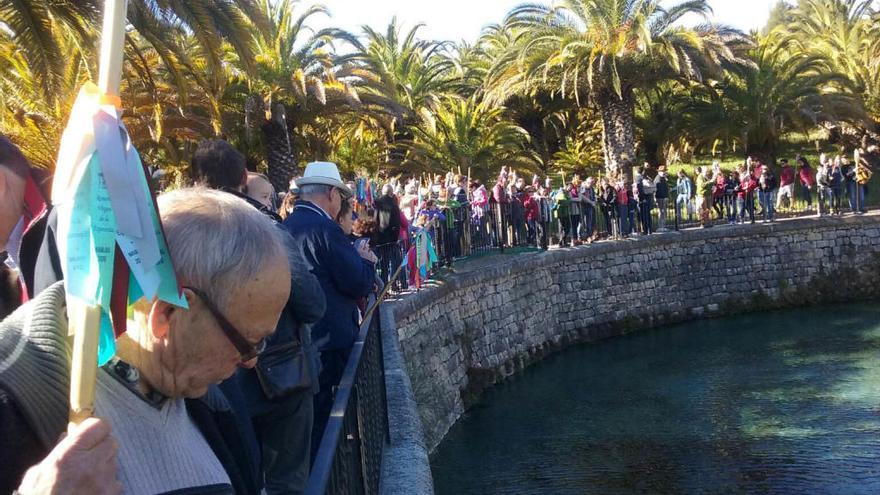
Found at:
[163, 427]
[345, 274]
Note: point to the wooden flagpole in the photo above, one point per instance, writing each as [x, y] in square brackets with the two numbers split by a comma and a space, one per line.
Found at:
[85, 319]
[112, 39]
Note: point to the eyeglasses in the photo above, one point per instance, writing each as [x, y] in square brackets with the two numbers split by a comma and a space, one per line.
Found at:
[244, 348]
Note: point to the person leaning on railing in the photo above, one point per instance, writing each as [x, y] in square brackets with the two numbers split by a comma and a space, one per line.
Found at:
[836, 181]
[344, 272]
[562, 210]
[704, 196]
[546, 207]
[588, 209]
[684, 189]
[863, 176]
[533, 214]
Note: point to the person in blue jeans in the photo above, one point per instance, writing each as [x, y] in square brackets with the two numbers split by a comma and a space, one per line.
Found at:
[837, 186]
[767, 185]
[731, 184]
[588, 207]
[645, 190]
[633, 209]
[849, 178]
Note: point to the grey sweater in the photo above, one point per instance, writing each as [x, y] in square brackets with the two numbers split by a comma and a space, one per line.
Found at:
[160, 449]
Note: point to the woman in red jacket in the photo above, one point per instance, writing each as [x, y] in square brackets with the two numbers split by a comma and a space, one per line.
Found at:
[807, 178]
[533, 214]
[745, 196]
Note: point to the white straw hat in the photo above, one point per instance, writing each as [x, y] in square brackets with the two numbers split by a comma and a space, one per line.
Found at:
[325, 174]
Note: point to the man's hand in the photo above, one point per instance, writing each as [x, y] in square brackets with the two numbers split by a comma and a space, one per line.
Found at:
[83, 462]
[366, 253]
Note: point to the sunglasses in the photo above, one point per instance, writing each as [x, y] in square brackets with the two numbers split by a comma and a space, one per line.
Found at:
[247, 351]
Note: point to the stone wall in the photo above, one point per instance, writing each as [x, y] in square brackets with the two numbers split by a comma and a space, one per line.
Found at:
[473, 329]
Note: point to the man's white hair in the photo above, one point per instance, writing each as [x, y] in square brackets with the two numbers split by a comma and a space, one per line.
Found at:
[216, 240]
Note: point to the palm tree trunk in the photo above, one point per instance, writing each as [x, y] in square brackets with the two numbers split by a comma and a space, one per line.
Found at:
[618, 136]
[279, 154]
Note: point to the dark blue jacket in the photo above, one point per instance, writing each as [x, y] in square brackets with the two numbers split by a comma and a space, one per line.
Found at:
[344, 276]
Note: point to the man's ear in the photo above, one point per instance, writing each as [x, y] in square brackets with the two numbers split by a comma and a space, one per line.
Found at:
[4, 182]
[161, 315]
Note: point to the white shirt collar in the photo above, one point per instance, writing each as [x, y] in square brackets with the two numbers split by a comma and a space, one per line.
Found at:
[314, 207]
[13, 245]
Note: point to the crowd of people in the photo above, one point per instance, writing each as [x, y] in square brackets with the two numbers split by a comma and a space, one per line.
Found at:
[232, 394]
[515, 211]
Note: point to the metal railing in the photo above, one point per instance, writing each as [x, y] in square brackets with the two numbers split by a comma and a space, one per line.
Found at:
[349, 458]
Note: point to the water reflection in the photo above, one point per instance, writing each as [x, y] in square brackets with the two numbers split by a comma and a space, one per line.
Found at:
[783, 402]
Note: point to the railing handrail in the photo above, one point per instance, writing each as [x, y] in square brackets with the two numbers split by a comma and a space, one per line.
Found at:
[319, 476]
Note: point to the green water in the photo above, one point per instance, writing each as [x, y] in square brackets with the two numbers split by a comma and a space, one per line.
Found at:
[784, 402]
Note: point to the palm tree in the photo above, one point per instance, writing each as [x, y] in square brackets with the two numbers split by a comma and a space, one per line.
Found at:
[580, 155]
[552, 120]
[399, 79]
[784, 90]
[293, 84]
[605, 50]
[845, 33]
[661, 119]
[164, 119]
[28, 116]
[210, 22]
[46, 34]
[464, 134]
[49, 50]
[358, 143]
[471, 63]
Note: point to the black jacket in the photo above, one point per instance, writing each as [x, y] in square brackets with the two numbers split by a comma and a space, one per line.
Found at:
[609, 197]
[387, 219]
[662, 188]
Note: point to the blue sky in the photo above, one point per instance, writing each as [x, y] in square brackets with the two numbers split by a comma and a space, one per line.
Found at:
[463, 19]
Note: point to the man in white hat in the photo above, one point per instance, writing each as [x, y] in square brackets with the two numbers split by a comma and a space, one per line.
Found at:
[346, 274]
